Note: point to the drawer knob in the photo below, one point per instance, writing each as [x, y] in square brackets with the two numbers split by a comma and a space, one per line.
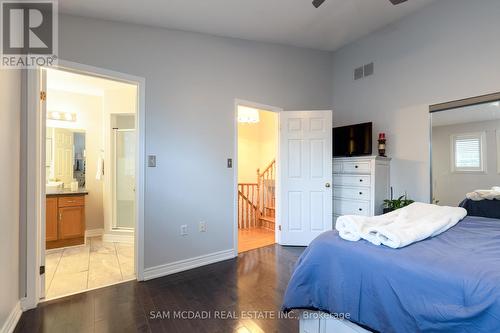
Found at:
[356, 166]
[360, 209]
[360, 193]
[361, 180]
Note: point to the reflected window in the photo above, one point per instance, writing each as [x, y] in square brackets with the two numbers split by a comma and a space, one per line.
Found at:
[468, 152]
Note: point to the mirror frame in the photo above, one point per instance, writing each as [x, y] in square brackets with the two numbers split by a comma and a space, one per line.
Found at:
[483, 99]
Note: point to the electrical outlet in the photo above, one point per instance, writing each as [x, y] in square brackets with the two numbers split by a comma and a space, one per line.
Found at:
[203, 226]
[184, 230]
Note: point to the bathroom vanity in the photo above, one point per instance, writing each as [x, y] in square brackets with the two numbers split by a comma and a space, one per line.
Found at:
[65, 218]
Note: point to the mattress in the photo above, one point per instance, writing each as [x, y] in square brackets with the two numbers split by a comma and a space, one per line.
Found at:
[483, 208]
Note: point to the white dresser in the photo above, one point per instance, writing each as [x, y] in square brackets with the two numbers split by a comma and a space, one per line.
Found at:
[360, 185]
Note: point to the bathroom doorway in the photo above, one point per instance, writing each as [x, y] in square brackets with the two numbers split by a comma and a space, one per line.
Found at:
[90, 165]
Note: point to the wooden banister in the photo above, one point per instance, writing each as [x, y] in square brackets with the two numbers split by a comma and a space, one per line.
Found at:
[248, 213]
[255, 198]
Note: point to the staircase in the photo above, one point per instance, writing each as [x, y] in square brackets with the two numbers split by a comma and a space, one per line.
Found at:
[257, 201]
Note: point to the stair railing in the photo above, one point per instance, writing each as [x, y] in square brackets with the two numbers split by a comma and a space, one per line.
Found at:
[266, 181]
[248, 212]
[255, 198]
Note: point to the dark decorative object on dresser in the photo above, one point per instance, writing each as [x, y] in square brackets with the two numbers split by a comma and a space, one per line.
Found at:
[381, 144]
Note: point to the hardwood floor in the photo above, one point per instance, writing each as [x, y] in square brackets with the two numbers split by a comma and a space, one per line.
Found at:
[250, 239]
[255, 281]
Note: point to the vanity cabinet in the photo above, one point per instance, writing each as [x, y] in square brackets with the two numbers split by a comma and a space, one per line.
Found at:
[51, 219]
[65, 221]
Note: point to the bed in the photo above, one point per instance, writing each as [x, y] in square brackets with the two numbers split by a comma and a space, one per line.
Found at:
[449, 283]
[483, 208]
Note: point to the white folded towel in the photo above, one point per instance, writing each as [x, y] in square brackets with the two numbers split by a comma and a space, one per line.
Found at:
[100, 168]
[417, 222]
[479, 195]
[355, 227]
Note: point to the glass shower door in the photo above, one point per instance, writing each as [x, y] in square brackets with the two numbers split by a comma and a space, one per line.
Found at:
[124, 179]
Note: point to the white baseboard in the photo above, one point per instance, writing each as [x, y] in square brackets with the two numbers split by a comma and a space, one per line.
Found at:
[11, 322]
[94, 232]
[186, 264]
[119, 238]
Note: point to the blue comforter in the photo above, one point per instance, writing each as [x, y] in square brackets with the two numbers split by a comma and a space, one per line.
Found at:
[449, 283]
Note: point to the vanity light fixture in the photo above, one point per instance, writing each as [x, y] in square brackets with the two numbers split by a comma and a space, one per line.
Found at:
[248, 115]
[62, 116]
[54, 115]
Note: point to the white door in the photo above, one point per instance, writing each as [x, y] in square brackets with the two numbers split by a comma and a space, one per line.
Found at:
[305, 175]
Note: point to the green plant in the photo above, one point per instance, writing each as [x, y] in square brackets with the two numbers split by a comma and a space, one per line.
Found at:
[402, 201]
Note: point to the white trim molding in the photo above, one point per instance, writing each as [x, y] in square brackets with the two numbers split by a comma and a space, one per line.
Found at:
[35, 196]
[264, 107]
[94, 232]
[119, 238]
[11, 322]
[186, 264]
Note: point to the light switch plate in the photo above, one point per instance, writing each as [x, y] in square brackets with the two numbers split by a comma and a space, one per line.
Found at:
[152, 161]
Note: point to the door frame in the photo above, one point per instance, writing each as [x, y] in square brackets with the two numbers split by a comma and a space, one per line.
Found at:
[264, 107]
[35, 171]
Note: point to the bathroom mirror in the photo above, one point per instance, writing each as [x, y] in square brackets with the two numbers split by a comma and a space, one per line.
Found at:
[465, 149]
[65, 157]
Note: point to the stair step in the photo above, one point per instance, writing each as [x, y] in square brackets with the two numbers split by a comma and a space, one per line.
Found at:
[267, 222]
[270, 207]
[268, 218]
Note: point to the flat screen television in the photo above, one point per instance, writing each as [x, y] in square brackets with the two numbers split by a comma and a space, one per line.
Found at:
[354, 140]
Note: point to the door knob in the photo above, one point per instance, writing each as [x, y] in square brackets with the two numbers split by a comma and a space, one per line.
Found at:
[327, 185]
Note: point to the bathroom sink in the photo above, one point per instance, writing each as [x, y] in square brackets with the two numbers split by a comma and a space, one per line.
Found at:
[54, 184]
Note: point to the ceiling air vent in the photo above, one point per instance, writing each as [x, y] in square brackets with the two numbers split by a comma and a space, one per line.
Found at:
[358, 73]
[364, 71]
[368, 69]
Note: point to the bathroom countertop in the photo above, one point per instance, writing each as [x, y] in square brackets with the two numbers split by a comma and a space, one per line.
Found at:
[65, 191]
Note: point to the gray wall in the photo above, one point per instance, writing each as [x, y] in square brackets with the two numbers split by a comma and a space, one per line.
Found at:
[450, 188]
[10, 111]
[191, 83]
[449, 50]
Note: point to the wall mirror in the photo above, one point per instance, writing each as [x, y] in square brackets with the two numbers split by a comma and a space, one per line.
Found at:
[65, 157]
[465, 152]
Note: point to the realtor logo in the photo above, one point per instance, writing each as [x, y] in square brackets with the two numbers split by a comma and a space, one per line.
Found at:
[29, 33]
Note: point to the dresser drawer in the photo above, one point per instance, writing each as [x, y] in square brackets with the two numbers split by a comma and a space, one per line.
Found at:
[351, 180]
[71, 201]
[356, 193]
[337, 167]
[356, 167]
[353, 207]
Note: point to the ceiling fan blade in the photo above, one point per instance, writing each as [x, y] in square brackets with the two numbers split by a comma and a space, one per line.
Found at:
[317, 3]
[397, 2]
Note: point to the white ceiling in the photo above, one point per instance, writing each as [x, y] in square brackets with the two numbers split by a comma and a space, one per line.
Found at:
[469, 114]
[83, 84]
[291, 22]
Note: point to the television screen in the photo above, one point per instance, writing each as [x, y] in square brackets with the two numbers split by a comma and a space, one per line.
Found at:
[354, 140]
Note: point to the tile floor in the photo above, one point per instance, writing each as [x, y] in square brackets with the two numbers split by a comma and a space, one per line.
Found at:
[94, 265]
